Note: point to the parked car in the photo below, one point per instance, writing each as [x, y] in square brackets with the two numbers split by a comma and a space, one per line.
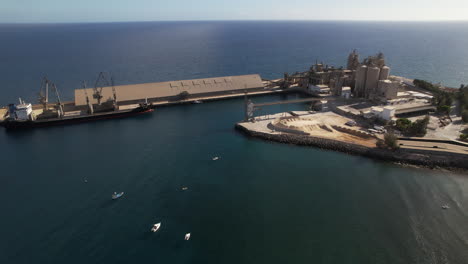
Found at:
[351, 123]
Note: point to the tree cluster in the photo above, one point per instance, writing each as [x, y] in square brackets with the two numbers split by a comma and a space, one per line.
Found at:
[183, 95]
[390, 142]
[417, 128]
[442, 99]
[463, 97]
[464, 137]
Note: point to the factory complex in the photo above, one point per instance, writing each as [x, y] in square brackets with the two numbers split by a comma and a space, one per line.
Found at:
[356, 110]
[388, 96]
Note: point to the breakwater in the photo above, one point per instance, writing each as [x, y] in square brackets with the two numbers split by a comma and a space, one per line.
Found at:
[424, 158]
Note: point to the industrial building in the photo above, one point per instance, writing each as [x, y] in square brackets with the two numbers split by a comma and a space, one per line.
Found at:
[372, 80]
[167, 91]
[368, 79]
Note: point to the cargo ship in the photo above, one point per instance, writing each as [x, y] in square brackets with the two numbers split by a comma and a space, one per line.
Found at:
[23, 115]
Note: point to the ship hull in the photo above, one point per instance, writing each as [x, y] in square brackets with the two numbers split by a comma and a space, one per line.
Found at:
[75, 120]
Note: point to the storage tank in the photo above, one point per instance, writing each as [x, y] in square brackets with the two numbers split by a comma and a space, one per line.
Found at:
[372, 80]
[360, 80]
[388, 112]
[388, 89]
[384, 73]
[339, 85]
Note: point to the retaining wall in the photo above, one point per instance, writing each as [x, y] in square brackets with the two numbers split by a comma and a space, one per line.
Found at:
[401, 155]
[353, 132]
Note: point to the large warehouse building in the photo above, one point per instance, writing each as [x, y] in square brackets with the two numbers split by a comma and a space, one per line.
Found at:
[135, 93]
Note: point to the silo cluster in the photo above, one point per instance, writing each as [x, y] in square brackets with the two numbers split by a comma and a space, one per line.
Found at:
[372, 80]
[384, 73]
[367, 80]
[361, 74]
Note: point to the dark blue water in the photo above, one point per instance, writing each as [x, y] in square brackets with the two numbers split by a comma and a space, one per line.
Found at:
[261, 202]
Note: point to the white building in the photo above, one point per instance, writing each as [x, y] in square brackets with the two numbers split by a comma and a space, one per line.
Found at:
[386, 112]
[346, 92]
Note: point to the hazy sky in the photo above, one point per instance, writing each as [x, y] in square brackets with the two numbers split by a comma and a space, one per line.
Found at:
[12, 11]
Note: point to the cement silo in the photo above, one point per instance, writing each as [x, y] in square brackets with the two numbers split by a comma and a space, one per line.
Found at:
[384, 73]
[339, 85]
[372, 81]
[360, 81]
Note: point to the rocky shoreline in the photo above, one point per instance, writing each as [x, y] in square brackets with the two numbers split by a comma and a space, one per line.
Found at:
[432, 160]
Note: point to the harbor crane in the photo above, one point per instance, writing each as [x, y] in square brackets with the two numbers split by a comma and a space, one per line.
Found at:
[59, 105]
[44, 92]
[104, 80]
[88, 102]
[44, 96]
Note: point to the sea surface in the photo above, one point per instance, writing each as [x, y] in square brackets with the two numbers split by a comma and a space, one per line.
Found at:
[261, 202]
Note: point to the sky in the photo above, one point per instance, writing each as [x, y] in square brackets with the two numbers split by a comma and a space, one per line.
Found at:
[58, 11]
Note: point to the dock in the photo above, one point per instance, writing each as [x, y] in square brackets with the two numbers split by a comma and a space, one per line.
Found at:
[164, 93]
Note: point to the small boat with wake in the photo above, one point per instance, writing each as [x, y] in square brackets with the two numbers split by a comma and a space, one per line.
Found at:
[155, 227]
[116, 195]
[445, 207]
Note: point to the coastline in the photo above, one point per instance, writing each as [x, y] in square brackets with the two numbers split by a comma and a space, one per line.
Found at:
[402, 157]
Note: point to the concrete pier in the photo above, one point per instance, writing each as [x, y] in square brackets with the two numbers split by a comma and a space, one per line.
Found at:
[423, 152]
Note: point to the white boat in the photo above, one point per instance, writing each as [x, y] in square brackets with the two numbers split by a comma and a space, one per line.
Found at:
[156, 227]
[197, 102]
[184, 188]
[187, 236]
[445, 206]
[215, 158]
[117, 195]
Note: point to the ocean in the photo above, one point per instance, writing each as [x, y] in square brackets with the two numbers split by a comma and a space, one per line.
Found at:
[261, 202]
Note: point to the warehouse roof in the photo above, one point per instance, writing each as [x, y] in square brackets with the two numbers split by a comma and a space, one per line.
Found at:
[172, 88]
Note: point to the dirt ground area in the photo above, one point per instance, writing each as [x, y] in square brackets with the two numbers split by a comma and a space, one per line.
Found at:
[435, 129]
[450, 131]
[320, 125]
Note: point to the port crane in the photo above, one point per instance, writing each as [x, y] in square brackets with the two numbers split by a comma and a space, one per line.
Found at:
[104, 80]
[88, 103]
[59, 105]
[44, 96]
[44, 92]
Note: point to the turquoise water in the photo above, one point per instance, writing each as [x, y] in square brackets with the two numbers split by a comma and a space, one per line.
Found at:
[261, 202]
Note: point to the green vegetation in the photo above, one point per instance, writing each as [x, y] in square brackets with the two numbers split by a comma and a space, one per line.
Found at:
[463, 97]
[464, 137]
[390, 142]
[442, 99]
[403, 124]
[445, 109]
[183, 95]
[417, 128]
[427, 86]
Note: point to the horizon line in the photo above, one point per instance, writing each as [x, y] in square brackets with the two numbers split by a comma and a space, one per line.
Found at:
[245, 20]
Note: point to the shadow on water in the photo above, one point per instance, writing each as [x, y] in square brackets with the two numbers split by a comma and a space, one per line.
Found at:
[18, 133]
[26, 131]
